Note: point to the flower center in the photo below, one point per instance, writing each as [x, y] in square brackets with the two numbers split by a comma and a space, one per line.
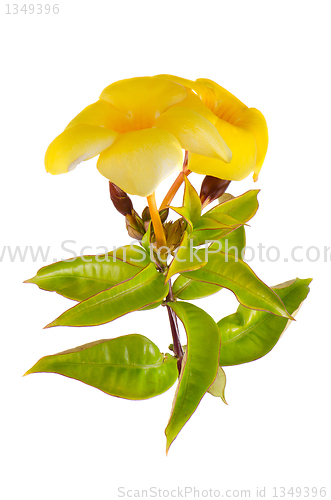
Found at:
[133, 123]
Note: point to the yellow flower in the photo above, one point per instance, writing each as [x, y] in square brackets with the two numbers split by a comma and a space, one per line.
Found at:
[140, 127]
[243, 129]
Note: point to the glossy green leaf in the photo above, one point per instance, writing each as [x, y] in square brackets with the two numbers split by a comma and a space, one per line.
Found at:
[192, 201]
[225, 197]
[191, 209]
[218, 386]
[129, 367]
[241, 208]
[199, 368]
[131, 254]
[231, 212]
[146, 239]
[208, 229]
[223, 221]
[248, 335]
[82, 277]
[224, 269]
[185, 259]
[152, 306]
[188, 289]
[183, 212]
[144, 289]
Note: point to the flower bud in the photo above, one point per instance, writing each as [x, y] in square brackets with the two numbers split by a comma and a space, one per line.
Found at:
[134, 226]
[120, 199]
[164, 214]
[146, 214]
[211, 189]
[174, 231]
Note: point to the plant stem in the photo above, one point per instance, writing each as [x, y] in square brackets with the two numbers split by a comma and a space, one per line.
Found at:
[178, 350]
[176, 185]
[157, 224]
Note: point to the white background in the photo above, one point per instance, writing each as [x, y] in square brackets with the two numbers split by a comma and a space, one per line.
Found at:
[63, 439]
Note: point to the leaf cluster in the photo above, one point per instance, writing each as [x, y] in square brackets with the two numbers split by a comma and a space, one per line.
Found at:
[135, 278]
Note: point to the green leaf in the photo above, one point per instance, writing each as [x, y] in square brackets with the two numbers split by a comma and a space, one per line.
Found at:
[191, 209]
[144, 289]
[192, 201]
[131, 254]
[232, 212]
[218, 386]
[208, 229]
[225, 197]
[223, 221]
[224, 269]
[189, 289]
[241, 208]
[152, 306]
[129, 367]
[183, 212]
[185, 259]
[248, 335]
[146, 239]
[82, 277]
[199, 367]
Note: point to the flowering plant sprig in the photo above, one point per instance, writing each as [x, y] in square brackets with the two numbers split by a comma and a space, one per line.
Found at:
[143, 130]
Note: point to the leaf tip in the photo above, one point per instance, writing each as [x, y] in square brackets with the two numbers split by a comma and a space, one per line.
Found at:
[28, 372]
[29, 281]
[290, 317]
[167, 279]
[169, 440]
[50, 325]
[168, 446]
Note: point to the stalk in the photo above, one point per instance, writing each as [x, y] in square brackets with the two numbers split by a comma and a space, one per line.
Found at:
[176, 185]
[157, 224]
[178, 350]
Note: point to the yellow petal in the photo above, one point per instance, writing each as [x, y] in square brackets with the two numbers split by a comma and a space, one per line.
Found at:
[75, 145]
[253, 120]
[227, 106]
[177, 79]
[192, 101]
[243, 146]
[205, 92]
[101, 114]
[143, 99]
[232, 110]
[194, 132]
[138, 161]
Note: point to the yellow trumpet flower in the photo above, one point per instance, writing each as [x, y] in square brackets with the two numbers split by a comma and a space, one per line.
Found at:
[243, 129]
[139, 127]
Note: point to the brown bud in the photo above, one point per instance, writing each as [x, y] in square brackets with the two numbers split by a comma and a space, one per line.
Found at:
[133, 227]
[146, 215]
[120, 199]
[211, 189]
[175, 232]
[164, 214]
